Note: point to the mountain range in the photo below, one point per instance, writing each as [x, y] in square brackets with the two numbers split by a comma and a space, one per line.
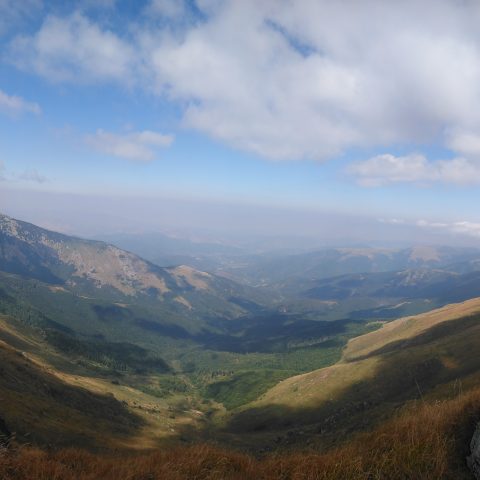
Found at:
[104, 350]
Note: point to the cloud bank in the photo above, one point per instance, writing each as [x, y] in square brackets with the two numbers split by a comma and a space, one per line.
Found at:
[415, 168]
[461, 228]
[291, 80]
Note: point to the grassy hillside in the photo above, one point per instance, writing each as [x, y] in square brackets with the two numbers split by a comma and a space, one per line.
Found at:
[51, 396]
[42, 409]
[429, 356]
[408, 327]
[428, 441]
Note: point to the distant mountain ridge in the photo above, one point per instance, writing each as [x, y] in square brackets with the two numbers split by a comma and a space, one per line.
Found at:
[332, 262]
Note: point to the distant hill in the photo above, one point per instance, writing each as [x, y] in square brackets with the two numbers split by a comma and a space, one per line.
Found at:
[330, 262]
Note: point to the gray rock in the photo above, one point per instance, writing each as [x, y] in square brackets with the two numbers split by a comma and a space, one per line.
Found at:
[473, 461]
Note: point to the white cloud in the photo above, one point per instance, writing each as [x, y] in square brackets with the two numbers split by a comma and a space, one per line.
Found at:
[426, 223]
[74, 49]
[466, 143]
[414, 168]
[470, 229]
[460, 227]
[16, 105]
[138, 146]
[292, 80]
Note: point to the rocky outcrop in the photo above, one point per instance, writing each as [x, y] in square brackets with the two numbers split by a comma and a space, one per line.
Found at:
[473, 461]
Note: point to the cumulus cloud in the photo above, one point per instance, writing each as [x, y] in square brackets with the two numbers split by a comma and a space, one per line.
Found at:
[415, 168]
[15, 105]
[138, 146]
[292, 80]
[74, 49]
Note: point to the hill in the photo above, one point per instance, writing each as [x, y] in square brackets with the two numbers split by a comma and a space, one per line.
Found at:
[423, 357]
[97, 269]
[41, 408]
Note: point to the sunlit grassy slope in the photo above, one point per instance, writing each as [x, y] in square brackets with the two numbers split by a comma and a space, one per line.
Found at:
[407, 327]
[430, 355]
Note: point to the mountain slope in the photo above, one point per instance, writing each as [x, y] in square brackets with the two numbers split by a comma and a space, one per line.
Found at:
[100, 270]
[427, 356]
[407, 328]
[40, 408]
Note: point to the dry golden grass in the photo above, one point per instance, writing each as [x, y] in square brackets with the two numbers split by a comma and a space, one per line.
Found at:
[407, 327]
[361, 360]
[425, 442]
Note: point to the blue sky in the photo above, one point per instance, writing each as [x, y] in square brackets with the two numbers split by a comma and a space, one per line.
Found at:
[288, 105]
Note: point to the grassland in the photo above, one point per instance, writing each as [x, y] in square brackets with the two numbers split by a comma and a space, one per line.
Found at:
[49, 399]
[43, 409]
[427, 441]
[400, 404]
[407, 327]
[432, 358]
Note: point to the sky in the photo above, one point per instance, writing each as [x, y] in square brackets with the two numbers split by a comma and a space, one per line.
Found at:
[327, 119]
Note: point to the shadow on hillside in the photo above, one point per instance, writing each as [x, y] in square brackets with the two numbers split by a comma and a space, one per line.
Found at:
[42, 409]
[406, 371]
